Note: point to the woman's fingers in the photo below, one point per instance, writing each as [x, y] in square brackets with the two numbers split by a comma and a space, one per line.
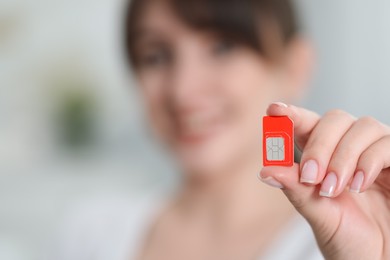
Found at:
[338, 150]
[371, 162]
[320, 147]
[343, 163]
[305, 198]
[287, 178]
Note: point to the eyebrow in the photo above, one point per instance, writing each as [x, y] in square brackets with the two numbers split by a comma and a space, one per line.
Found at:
[149, 36]
[145, 32]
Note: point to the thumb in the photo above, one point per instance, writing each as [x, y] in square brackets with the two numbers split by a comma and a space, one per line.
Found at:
[304, 120]
[321, 214]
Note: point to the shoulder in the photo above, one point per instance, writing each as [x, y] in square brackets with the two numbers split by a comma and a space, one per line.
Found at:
[110, 228]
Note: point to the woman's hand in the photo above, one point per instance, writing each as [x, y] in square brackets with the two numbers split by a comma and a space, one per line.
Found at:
[342, 186]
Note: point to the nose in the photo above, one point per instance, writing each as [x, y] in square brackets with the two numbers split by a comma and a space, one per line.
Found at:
[190, 82]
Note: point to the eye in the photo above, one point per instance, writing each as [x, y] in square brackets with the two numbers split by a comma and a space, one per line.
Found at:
[155, 58]
[223, 47]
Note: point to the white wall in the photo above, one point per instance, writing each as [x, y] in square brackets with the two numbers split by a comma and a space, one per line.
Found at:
[352, 38]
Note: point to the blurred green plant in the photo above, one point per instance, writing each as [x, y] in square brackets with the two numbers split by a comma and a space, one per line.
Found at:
[76, 117]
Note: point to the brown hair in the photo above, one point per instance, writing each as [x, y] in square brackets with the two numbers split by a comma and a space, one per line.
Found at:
[264, 25]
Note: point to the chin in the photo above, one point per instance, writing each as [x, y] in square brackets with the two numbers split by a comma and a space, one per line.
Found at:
[208, 158]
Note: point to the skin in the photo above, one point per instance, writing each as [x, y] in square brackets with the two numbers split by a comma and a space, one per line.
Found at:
[204, 96]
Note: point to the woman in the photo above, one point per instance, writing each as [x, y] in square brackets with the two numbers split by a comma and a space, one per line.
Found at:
[208, 70]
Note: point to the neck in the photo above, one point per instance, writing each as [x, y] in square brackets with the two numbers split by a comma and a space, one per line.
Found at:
[234, 197]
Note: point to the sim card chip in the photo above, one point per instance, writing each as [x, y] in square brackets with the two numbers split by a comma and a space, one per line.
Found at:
[275, 149]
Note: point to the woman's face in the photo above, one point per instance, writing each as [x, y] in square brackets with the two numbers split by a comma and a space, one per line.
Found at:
[204, 94]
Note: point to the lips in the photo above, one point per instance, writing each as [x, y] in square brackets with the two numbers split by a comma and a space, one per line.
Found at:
[197, 127]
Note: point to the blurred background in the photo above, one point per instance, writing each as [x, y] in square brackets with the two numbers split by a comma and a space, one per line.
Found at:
[71, 122]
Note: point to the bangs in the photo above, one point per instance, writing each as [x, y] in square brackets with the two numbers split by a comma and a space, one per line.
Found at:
[234, 19]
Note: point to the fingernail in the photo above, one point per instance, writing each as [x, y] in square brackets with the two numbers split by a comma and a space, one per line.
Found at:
[357, 182]
[329, 185]
[309, 172]
[272, 182]
[280, 104]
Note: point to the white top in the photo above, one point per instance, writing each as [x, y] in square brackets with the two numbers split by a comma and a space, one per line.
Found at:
[115, 230]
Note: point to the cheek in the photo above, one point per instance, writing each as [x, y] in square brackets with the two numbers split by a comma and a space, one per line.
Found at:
[155, 103]
[251, 87]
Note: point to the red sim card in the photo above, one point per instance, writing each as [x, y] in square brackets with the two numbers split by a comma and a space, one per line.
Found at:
[278, 141]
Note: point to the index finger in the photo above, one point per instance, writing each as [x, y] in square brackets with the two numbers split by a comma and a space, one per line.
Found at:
[304, 120]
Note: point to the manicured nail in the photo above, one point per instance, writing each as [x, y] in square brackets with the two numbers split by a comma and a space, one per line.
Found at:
[329, 185]
[357, 182]
[309, 172]
[272, 182]
[280, 104]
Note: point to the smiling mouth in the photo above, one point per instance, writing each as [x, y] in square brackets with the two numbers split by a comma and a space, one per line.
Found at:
[197, 128]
